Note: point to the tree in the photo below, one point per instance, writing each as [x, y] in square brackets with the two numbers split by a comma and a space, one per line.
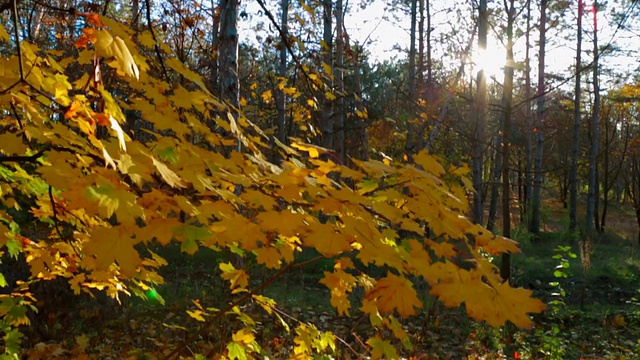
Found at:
[577, 115]
[282, 71]
[339, 126]
[536, 197]
[479, 118]
[412, 135]
[592, 196]
[327, 123]
[105, 202]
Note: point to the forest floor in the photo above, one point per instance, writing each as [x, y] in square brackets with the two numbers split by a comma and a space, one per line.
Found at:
[597, 318]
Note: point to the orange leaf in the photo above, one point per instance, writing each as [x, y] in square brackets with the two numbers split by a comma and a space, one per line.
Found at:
[395, 292]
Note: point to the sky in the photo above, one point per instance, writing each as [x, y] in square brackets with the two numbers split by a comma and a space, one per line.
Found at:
[386, 30]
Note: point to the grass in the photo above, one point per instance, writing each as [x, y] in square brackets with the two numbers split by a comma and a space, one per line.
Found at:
[599, 320]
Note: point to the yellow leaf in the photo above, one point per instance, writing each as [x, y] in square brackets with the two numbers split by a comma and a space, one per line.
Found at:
[269, 256]
[382, 349]
[290, 91]
[109, 246]
[196, 314]
[82, 341]
[309, 11]
[238, 278]
[4, 36]
[340, 284]
[395, 292]
[108, 46]
[167, 174]
[244, 336]
[12, 144]
[327, 68]
[116, 127]
[313, 150]
[329, 95]
[267, 96]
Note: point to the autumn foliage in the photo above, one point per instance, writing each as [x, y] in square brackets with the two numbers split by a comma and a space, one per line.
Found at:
[108, 192]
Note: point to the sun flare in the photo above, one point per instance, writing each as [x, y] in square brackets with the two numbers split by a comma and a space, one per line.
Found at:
[491, 61]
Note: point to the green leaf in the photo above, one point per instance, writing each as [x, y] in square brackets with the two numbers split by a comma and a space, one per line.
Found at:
[189, 246]
[236, 351]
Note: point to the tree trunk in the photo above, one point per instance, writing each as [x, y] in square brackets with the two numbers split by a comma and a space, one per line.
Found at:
[339, 140]
[536, 196]
[229, 90]
[411, 141]
[215, 17]
[479, 118]
[364, 138]
[524, 200]
[573, 175]
[282, 72]
[327, 108]
[496, 173]
[593, 150]
[505, 270]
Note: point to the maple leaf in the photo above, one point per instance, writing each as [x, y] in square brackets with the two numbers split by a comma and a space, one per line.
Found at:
[381, 349]
[328, 242]
[108, 246]
[107, 46]
[395, 293]
[237, 278]
[167, 174]
[269, 256]
[340, 283]
[244, 336]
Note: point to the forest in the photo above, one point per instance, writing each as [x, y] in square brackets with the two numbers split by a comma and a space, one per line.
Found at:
[319, 179]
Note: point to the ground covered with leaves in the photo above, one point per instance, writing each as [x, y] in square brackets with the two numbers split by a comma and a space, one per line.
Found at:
[599, 317]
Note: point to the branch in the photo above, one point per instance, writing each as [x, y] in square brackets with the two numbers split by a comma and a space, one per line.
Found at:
[203, 329]
[31, 159]
[155, 41]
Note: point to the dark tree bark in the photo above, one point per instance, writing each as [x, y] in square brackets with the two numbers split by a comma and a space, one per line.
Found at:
[327, 108]
[339, 109]
[282, 71]
[575, 151]
[479, 118]
[536, 196]
[592, 198]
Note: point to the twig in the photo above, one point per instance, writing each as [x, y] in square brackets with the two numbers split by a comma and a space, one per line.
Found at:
[155, 40]
[16, 25]
[237, 302]
[55, 213]
[32, 158]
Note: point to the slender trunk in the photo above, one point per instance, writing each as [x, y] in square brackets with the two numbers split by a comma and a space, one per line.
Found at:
[505, 270]
[282, 71]
[536, 196]
[364, 138]
[479, 118]
[429, 60]
[229, 90]
[420, 86]
[593, 150]
[524, 201]
[327, 108]
[605, 179]
[496, 175]
[215, 16]
[135, 14]
[339, 141]
[410, 144]
[449, 96]
[573, 175]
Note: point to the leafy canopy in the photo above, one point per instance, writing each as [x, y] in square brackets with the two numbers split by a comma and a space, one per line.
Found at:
[108, 191]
